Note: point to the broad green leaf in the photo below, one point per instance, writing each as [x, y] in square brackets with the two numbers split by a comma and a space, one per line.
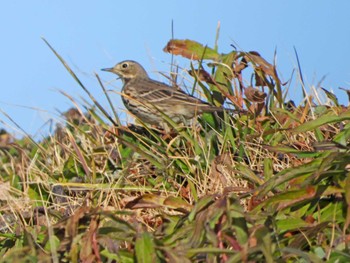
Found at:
[290, 224]
[303, 256]
[145, 251]
[330, 117]
[287, 175]
[237, 219]
[287, 199]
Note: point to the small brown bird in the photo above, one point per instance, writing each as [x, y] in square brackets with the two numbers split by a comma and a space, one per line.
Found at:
[147, 98]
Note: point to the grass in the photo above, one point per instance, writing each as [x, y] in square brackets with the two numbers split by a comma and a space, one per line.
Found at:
[268, 185]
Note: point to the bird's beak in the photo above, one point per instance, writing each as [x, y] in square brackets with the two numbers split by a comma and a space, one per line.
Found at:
[107, 69]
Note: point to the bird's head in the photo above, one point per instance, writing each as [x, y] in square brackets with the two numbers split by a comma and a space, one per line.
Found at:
[128, 69]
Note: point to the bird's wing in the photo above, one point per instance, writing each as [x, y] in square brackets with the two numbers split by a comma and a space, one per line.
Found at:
[155, 92]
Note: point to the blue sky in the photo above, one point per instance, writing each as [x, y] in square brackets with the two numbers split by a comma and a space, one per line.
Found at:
[91, 35]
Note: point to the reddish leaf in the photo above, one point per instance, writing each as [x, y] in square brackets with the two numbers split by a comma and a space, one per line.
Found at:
[90, 248]
[190, 49]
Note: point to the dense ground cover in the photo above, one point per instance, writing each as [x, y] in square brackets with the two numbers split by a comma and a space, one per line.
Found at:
[270, 184]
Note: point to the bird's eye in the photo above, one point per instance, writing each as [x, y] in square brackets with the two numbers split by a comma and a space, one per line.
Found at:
[125, 65]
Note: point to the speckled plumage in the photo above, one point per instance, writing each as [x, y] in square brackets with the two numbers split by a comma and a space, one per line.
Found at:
[147, 98]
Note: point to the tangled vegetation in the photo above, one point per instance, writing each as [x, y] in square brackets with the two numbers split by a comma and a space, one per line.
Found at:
[268, 185]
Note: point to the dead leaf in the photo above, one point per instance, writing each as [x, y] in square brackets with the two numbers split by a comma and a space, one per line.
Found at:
[254, 95]
[223, 175]
[202, 75]
[260, 64]
[90, 248]
[190, 49]
[239, 66]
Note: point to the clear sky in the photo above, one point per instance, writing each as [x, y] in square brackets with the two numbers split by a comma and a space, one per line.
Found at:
[91, 35]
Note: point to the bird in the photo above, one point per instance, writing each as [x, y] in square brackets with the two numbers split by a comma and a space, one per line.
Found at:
[149, 100]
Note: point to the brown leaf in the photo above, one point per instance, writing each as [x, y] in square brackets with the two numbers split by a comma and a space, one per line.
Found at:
[90, 248]
[254, 95]
[240, 66]
[307, 233]
[222, 174]
[202, 75]
[261, 64]
[257, 108]
[310, 219]
[177, 47]
[259, 79]
[221, 166]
